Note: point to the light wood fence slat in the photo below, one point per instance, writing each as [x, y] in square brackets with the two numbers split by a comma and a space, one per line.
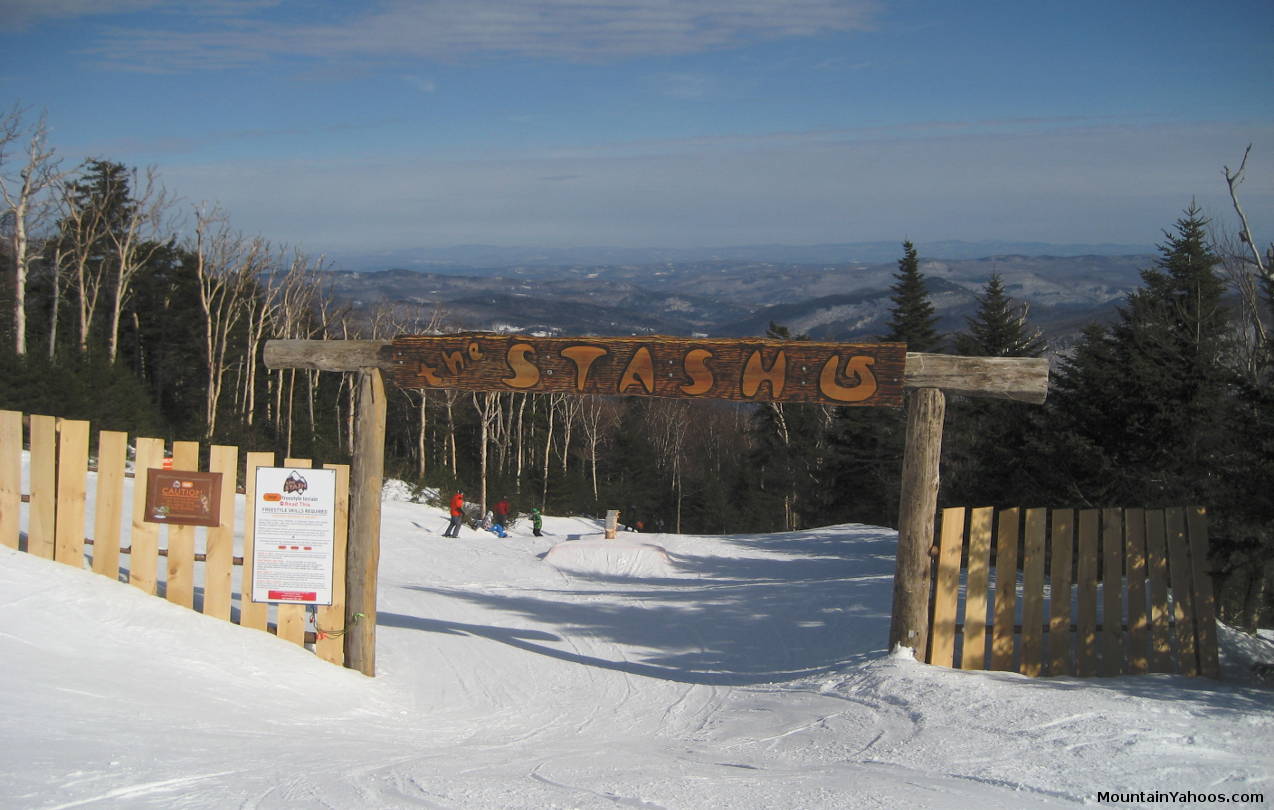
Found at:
[973, 649]
[1204, 601]
[10, 477]
[330, 645]
[218, 589]
[180, 585]
[42, 519]
[72, 494]
[1180, 577]
[143, 561]
[112, 457]
[1005, 590]
[291, 620]
[1112, 592]
[1060, 638]
[946, 585]
[1157, 572]
[1086, 594]
[1033, 593]
[251, 614]
[1138, 649]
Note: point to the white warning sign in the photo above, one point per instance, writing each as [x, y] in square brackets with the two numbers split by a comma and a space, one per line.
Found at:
[294, 535]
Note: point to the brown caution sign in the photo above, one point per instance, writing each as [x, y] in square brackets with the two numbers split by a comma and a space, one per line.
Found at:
[183, 497]
[748, 369]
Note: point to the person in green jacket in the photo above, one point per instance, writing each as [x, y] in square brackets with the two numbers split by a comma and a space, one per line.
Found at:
[537, 521]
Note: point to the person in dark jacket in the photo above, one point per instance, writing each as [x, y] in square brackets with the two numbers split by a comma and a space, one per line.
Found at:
[457, 515]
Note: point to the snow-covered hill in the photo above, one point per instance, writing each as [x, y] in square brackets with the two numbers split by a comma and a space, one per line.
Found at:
[655, 671]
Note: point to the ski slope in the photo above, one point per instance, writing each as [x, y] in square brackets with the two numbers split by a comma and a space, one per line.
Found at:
[653, 671]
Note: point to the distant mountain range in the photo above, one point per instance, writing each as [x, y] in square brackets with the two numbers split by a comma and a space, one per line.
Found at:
[834, 300]
[470, 258]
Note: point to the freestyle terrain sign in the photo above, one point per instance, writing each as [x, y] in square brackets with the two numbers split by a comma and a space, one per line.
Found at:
[749, 370]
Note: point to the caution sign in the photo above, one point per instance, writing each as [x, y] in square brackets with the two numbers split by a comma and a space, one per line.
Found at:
[295, 535]
[183, 497]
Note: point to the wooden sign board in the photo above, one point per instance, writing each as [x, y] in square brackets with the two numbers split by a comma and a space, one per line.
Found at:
[748, 369]
[183, 497]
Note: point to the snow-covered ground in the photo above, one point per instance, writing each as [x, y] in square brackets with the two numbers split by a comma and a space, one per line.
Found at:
[654, 671]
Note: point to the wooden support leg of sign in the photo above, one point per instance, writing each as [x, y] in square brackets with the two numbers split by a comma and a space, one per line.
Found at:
[363, 553]
[926, 409]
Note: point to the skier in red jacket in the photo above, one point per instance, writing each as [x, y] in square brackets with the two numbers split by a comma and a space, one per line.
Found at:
[502, 512]
[457, 515]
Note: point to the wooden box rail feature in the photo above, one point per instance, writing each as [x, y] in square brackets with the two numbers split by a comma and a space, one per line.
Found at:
[1023, 379]
[60, 487]
[1098, 592]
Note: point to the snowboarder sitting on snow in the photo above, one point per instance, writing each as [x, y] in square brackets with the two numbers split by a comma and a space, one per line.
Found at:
[457, 515]
[488, 523]
[537, 521]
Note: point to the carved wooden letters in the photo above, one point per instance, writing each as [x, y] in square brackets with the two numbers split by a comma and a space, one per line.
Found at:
[742, 370]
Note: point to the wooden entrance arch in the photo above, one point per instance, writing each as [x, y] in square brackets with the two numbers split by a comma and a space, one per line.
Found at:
[748, 370]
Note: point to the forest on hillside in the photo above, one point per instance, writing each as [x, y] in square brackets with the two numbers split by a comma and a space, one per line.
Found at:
[125, 307]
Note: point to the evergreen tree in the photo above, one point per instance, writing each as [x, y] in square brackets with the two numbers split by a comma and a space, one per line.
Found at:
[982, 445]
[1174, 335]
[912, 319]
[998, 329]
[1139, 408]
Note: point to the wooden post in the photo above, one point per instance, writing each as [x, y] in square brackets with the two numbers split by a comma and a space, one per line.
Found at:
[926, 408]
[363, 553]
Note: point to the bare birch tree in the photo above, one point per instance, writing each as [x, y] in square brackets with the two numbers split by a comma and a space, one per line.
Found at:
[487, 404]
[84, 223]
[133, 243]
[668, 424]
[597, 417]
[226, 266]
[28, 204]
[1240, 270]
[552, 402]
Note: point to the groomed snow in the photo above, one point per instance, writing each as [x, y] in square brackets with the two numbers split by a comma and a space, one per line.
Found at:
[654, 671]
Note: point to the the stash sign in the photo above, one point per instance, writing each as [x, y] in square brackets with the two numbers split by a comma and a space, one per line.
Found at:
[741, 370]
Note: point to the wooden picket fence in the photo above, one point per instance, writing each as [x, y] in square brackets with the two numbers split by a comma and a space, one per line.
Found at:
[124, 547]
[1095, 592]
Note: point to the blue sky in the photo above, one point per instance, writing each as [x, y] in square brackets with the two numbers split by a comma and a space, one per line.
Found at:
[347, 126]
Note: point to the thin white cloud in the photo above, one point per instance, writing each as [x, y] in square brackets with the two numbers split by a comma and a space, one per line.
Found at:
[19, 14]
[572, 30]
[687, 86]
[422, 83]
[1113, 183]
